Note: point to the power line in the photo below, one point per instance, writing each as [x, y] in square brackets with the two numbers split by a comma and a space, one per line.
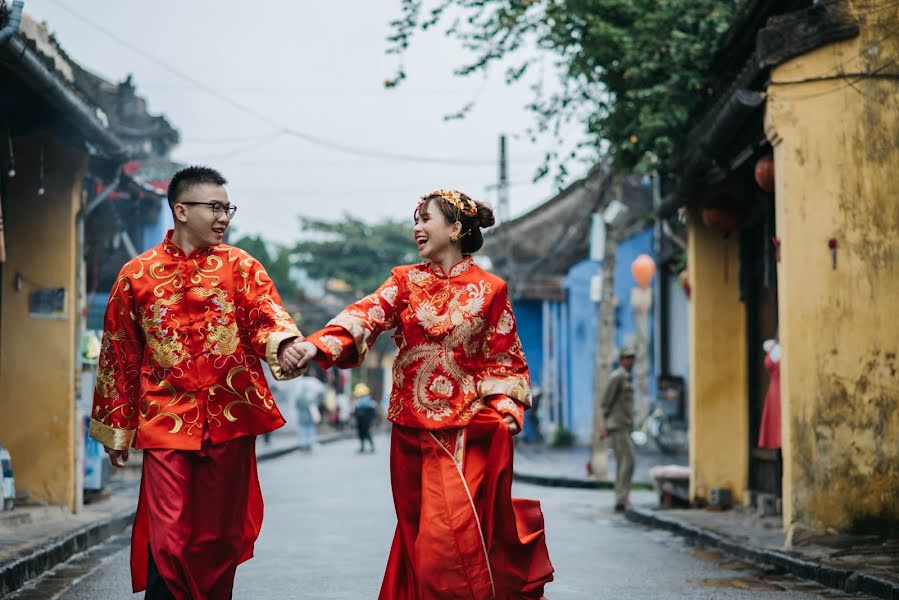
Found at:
[289, 131]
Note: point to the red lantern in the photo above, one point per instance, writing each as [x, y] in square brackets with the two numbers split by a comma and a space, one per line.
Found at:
[684, 280]
[723, 221]
[643, 269]
[764, 173]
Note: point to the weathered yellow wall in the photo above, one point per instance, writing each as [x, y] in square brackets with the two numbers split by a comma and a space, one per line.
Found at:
[719, 400]
[37, 369]
[836, 149]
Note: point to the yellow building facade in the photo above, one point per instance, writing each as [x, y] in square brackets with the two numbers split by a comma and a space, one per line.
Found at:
[38, 349]
[831, 117]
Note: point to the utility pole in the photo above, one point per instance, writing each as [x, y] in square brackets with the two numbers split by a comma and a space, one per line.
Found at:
[502, 187]
[605, 349]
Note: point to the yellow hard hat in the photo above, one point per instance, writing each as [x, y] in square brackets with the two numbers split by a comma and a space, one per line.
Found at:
[361, 390]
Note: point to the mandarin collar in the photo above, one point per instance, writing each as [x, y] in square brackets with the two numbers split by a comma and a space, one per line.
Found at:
[456, 270]
[172, 249]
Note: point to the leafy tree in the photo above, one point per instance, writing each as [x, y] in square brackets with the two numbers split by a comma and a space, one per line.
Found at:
[358, 253]
[634, 71]
[276, 260]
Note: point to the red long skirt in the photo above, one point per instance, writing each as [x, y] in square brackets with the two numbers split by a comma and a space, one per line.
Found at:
[200, 513]
[460, 534]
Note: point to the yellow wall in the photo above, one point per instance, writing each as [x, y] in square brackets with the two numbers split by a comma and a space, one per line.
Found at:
[719, 402]
[37, 368]
[836, 149]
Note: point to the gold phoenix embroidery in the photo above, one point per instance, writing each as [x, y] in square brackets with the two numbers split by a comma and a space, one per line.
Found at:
[432, 357]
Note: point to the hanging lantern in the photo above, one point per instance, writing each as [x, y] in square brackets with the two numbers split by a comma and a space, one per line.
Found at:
[722, 220]
[764, 173]
[684, 280]
[643, 269]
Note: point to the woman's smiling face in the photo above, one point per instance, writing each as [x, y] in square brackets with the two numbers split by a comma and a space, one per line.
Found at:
[432, 233]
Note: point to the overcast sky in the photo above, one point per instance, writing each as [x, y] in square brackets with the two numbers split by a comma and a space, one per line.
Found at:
[317, 68]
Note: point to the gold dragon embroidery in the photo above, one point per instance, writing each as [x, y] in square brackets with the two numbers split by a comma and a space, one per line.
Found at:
[167, 349]
[221, 336]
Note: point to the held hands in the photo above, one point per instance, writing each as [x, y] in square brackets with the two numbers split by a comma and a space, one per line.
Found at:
[118, 458]
[295, 353]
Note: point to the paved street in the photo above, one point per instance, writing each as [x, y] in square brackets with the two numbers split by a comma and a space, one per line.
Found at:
[329, 522]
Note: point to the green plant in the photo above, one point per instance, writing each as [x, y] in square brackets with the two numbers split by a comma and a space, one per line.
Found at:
[562, 438]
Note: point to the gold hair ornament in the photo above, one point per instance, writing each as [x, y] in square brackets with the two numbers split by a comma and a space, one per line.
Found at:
[465, 206]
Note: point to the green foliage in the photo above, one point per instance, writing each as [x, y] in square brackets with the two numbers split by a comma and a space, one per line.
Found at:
[359, 253]
[276, 262]
[562, 438]
[633, 71]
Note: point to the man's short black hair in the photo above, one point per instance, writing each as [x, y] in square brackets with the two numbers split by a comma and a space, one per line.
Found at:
[188, 177]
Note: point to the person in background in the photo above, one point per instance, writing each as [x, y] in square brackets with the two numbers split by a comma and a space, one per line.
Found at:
[364, 412]
[618, 410]
[310, 393]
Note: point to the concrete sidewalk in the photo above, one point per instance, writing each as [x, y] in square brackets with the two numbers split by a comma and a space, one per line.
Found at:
[567, 467]
[852, 563]
[35, 538]
[866, 564]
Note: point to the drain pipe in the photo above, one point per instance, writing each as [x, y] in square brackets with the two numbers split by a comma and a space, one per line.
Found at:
[80, 306]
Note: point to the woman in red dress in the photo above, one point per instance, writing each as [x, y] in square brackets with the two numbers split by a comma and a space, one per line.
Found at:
[461, 386]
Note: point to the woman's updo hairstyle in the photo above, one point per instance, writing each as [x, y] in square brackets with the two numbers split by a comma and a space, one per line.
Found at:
[473, 215]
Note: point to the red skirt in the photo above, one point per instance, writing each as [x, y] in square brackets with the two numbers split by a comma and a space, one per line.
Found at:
[460, 534]
[200, 513]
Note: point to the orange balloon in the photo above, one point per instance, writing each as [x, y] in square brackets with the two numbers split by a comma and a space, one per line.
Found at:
[643, 269]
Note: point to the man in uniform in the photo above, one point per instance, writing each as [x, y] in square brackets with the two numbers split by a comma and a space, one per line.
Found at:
[618, 411]
[180, 376]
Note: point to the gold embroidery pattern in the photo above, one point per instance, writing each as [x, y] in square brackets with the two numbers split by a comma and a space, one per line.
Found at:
[244, 398]
[333, 344]
[167, 349]
[432, 357]
[215, 263]
[389, 294]
[154, 406]
[438, 316]
[222, 338]
[282, 318]
[511, 386]
[106, 370]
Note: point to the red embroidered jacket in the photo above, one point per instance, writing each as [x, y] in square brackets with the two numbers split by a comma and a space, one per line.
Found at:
[182, 342]
[458, 345]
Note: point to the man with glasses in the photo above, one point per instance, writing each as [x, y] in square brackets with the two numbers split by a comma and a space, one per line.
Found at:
[180, 377]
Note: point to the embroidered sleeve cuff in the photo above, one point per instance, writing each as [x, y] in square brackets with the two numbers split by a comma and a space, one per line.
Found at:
[271, 355]
[506, 406]
[516, 388]
[111, 437]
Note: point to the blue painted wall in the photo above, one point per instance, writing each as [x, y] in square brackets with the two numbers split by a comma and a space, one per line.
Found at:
[628, 250]
[583, 327]
[529, 318]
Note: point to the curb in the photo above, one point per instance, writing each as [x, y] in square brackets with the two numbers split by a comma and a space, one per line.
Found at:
[16, 572]
[575, 483]
[832, 577]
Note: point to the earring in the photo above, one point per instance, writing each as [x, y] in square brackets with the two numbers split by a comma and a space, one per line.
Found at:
[454, 238]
